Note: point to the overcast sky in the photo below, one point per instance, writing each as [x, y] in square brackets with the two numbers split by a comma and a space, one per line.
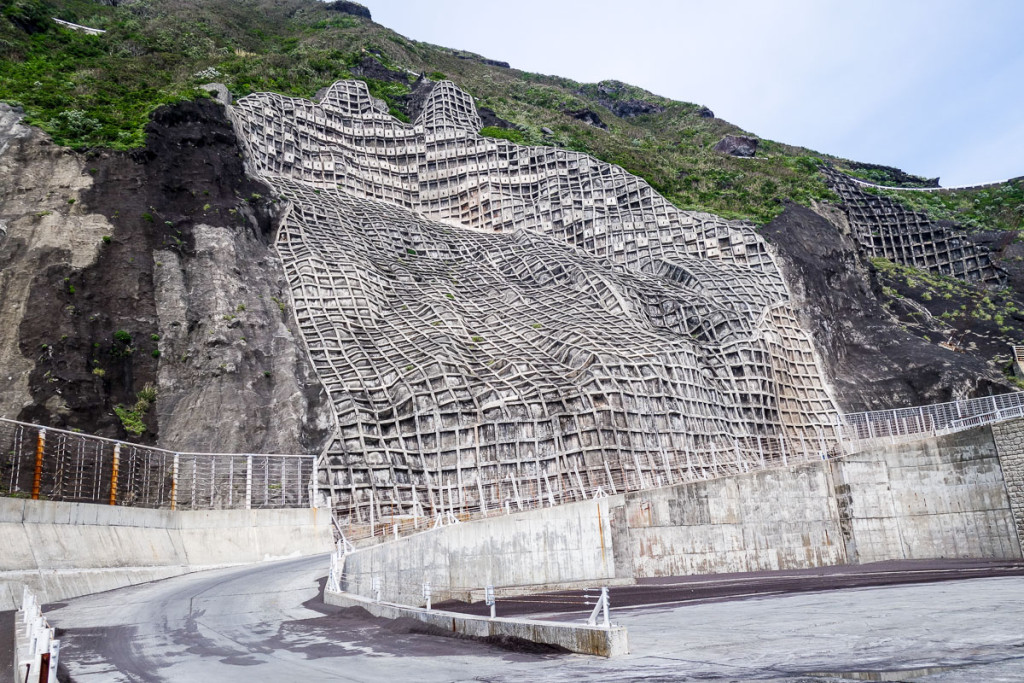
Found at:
[934, 87]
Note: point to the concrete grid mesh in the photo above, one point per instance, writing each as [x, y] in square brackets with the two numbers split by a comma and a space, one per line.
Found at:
[482, 312]
[887, 229]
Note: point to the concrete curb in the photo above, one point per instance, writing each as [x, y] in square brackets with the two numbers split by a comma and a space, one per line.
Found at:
[587, 640]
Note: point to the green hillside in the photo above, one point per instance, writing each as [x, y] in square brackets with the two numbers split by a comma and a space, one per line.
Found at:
[98, 91]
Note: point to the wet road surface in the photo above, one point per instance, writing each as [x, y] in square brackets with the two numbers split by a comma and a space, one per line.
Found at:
[267, 623]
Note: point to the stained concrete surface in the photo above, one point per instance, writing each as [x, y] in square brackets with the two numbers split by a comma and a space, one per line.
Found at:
[268, 624]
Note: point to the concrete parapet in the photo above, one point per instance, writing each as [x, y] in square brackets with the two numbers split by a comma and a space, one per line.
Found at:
[63, 550]
[588, 640]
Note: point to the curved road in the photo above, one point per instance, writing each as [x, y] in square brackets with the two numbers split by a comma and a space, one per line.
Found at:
[267, 623]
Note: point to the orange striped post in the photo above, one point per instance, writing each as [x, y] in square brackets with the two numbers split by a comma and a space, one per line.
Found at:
[113, 474]
[174, 483]
[37, 477]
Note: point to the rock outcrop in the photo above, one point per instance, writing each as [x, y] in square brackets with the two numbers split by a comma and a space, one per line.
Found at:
[737, 145]
[122, 270]
[872, 362]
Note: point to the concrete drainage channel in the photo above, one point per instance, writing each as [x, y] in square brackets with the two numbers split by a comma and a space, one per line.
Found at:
[604, 640]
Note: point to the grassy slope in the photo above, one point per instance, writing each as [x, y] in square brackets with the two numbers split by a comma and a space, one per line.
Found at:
[98, 91]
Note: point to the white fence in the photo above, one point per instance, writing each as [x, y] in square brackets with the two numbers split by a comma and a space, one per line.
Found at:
[904, 424]
[54, 464]
[37, 652]
[956, 188]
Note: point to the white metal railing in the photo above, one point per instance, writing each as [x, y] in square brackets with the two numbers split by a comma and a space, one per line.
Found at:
[79, 27]
[38, 651]
[382, 585]
[956, 188]
[1018, 354]
[902, 424]
[55, 464]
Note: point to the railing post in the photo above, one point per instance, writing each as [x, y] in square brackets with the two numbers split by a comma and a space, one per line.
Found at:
[174, 482]
[248, 482]
[839, 435]
[37, 477]
[600, 607]
[116, 463]
[489, 598]
[54, 657]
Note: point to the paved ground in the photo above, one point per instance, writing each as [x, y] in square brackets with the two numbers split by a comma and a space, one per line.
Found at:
[268, 624]
[6, 642]
[692, 589]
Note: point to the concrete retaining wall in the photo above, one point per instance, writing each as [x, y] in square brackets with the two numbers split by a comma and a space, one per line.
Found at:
[62, 550]
[774, 519]
[942, 497]
[553, 546]
[1009, 438]
[589, 640]
[934, 498]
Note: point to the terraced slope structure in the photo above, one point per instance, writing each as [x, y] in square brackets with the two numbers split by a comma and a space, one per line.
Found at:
[484, 314]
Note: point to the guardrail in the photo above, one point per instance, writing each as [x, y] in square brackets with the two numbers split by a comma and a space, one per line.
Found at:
[956, 188]
[54, 464]
[37, 652]
[901, 424]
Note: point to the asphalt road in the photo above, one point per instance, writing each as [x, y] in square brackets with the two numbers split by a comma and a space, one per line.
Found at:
[6, 642]
[267, 623]
[718, 587]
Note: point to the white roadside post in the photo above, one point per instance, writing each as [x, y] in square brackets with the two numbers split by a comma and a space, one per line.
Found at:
[489, 598]
[426, 593]
[600, 607]
[54, 657]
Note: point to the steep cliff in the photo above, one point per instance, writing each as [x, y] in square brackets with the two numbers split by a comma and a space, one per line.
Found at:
[870, 357]
[122, 270]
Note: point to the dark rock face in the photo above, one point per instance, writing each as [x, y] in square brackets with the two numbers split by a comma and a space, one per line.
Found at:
[611, 95]
[626, 109]
[414, 101]
[737, 145]
[181, 292]
[587, 116]
[873, 363]
[346, 7]
[480, 60]
[369, 67]
[705, 113]
[489, 118]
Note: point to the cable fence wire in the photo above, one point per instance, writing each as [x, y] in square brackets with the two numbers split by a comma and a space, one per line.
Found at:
[53, 464]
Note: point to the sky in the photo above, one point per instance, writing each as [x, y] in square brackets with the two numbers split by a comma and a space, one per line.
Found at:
[933, 87]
